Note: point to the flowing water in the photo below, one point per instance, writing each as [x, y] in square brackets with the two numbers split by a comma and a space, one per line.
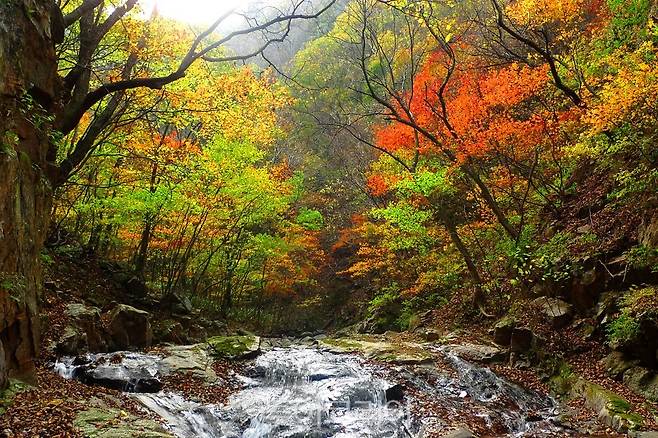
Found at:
[306, 392]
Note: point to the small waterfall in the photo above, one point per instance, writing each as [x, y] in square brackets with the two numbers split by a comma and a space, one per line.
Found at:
[499, 402]
[295, 392]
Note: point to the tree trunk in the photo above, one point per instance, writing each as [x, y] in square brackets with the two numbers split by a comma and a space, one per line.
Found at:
[466, 255]
[29, 89]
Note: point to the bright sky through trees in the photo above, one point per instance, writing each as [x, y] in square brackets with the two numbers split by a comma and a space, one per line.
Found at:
[197, 11]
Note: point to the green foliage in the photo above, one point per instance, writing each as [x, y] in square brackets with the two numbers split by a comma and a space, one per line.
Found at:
[427, 184]
[629, 18]
[547, 262]
[46, 259]
[636, 305]
[310, 219]
[409, 221]
[622, 329]
[388, 297]
[642, 257]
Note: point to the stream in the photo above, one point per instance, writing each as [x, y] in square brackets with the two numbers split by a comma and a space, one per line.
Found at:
[307, 392]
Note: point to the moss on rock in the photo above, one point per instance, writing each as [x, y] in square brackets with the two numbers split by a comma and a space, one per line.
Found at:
[234, 347]
[612, 409]
[113, 423]
[379, 349]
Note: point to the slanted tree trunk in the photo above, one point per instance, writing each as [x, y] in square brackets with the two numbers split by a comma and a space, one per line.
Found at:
[29, 92]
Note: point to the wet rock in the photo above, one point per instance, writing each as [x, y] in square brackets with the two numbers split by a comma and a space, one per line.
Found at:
[556, 311]
[503, 331]
[129, 328]
[479, 353]
[234, 347]
[124, 371]
[307, 341]
[115, 378]
[395, 393]
[521, 340]
[188, 359]
[459, 433]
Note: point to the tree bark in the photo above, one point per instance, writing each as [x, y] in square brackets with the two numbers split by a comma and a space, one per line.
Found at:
[29, 90]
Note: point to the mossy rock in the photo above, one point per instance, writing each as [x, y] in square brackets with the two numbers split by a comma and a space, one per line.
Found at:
[564, 380]
[103, 422]
[374, 348]
[234, 347]
[614, 410]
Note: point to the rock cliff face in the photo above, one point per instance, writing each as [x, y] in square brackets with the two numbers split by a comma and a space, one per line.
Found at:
[28, 90]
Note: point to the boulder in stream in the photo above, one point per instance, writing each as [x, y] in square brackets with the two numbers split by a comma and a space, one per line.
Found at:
[129, 328]
[124, 371]
[395, 393]
[188, 359]
[234, 347]
[379, 348]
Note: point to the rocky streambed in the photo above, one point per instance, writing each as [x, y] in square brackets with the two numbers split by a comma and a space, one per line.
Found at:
[319, 388]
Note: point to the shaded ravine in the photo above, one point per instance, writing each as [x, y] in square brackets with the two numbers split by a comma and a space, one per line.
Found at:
[307, 392]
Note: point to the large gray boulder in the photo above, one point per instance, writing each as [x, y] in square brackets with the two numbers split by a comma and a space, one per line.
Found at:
[129, 328]
[479, 353]
[84, 331]
[643, 381]
[188, 359]
[559, 313]
[88, 320]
